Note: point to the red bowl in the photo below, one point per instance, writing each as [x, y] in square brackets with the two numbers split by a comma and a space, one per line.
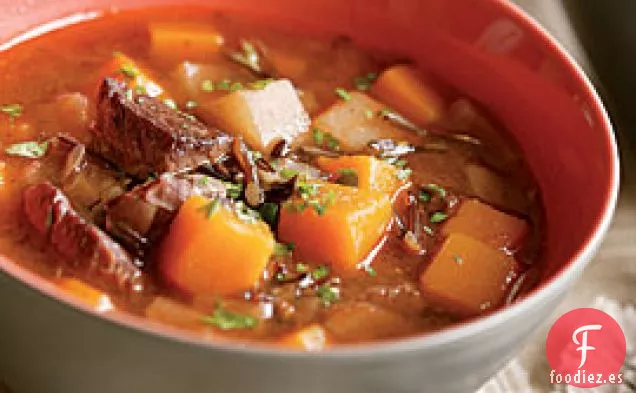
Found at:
[489, 50]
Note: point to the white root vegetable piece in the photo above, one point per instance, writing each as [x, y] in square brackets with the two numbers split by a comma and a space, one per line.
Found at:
[191, 78]
[261, 117]
[356, 121]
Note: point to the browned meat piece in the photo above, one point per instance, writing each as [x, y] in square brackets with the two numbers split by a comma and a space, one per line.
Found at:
[142, 215]
[84, 247]
[143, 135]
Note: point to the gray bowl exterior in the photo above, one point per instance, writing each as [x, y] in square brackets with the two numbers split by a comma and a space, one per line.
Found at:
[50, 347]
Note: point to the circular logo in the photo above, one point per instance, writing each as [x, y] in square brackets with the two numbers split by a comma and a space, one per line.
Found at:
[586, 348]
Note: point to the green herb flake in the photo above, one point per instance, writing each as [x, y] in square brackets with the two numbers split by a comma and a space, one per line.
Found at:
[12, 110]
[302, 268]
[328, 294]
[368, 114]
[458, 260]
[260, 84]
[236, 86]
[189, 105]
[348, 177]
[319, 207]
[370, 271]
[428, 230]
[437, 189]
[226, 320]
[400, 163]
[332, 143]
[233, 190]
[424, 196]
[437, 217]
[170, 103]
[129, 70]
[27, 149]
[320, 273]
[288, 173]
[248, 57]
[224, 85]
[210, 208]
[364, 83]
[319, 136]
[404, 174]
[204, 181]
[282, 250]
[208, 86]
[269, 212]
[342, 93]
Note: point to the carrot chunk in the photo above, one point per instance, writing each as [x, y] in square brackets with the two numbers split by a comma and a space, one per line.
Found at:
[402, 88]
[93, 297]
[487, 224]
[136, 76]
[312, 338]
[367, 172]
[356, 121]
[335, 224]
[467, 277]
[211, 249]
[177, 41]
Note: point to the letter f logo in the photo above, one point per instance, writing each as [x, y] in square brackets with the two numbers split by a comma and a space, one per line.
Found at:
[583, 344]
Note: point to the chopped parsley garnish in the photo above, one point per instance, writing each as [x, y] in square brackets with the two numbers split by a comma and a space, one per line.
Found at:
[368, 114]
[424, 196]
[363, 83]
[370, 271]
[244, 213]
[288, 173]
[236, 86]
[428, 230]
[12, 110]
[342, 93]
[328, 294]
[210, 208]
[27, 149]
[283, 250]
[400, 163]
[191, 104]
[129, 70]
[302, 268]
[261, 84]
[248, 57]
[348, 177]
[437, 217]
[269, 212]
[224, 85]
[140, 90]
[332, 143]
[204, 181]
[458, 260]
[170, 103]
[207, 86]
[437, 189]
[226, 320]
[319, 136]
[320, 273]
[233, 190]
[308, 193]
[404, 174]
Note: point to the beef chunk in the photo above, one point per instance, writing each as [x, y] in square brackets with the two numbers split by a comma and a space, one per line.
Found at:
[140, 217]
[85, 248]
[142, 135]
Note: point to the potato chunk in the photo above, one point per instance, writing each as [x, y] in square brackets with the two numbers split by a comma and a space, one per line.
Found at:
[335, 225]
[212, 250]
[261, 117]
[356, 122]
[467, 277]
[487, 224]
[311, 338]
[369, 173]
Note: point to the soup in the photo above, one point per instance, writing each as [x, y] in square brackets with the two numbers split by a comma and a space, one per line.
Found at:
[246, 183]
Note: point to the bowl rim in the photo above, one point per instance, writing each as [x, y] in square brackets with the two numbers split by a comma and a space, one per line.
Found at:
[454, 332]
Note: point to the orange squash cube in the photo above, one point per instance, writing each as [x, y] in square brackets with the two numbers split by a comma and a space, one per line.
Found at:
[178, 41]
[93, 297]
[467, 277]
[371, 173]
[211, 250]
[357, 121]
[487, 224]
[311, 338]
[336, 225]
[403, 89]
